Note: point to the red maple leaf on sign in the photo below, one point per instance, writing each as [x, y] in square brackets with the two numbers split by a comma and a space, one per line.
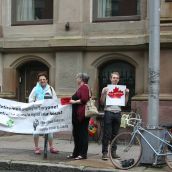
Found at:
[116, 93]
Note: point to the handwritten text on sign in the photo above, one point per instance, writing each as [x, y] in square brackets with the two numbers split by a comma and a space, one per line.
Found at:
[39, 117]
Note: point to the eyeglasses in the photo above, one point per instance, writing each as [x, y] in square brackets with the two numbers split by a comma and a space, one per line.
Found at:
[42, 79]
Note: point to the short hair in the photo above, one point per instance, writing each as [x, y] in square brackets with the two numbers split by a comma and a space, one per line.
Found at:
[42, 74]
[83, 76]
[114, 73]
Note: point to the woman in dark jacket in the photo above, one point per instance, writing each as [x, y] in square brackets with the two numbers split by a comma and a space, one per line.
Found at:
[80, 123]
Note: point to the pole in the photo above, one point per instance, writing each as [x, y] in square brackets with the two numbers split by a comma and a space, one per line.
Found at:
[154, 63]
[148, 156]
[1, 72]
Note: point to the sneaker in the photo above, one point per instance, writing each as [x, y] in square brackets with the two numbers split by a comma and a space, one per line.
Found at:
[70, 156]
[114, 155]
[53, 150]
[105, 156]
[37, 150]
[80, 157]
[127, 163]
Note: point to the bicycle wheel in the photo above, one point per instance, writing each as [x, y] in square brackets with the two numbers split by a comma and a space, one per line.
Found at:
[127, 148]
[168, 157]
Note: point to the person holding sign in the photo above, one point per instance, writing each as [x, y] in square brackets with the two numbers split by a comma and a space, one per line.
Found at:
[41, 91]
[113, 96]
[79, 121]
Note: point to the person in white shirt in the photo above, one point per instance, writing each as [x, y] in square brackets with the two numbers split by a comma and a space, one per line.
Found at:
[41, 91]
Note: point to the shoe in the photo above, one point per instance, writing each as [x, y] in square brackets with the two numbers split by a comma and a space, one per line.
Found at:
[105, 156]
[80, 157]
[37, 150]
[53, 150]
[127, 163]
[70, 156]
[114, 155]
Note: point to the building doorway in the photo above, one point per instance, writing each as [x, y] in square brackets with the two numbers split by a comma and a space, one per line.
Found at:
[127, 77]
[27, 78]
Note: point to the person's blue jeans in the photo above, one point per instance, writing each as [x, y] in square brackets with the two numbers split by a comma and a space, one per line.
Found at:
[112, 122]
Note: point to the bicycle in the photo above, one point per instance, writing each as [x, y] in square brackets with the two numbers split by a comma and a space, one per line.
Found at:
[129, 148]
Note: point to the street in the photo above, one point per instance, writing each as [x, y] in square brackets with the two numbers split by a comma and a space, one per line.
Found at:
[9, 171]
[16, 153]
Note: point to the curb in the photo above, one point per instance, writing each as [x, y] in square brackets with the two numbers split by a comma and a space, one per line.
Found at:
[47, 167]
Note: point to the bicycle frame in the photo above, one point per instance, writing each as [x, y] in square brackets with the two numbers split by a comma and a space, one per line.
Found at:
[138, 129]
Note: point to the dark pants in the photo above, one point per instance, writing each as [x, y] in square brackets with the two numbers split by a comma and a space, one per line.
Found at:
[112, 123]
[80, 134]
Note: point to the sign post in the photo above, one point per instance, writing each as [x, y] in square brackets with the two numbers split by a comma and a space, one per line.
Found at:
[154, 82]
[154, 63]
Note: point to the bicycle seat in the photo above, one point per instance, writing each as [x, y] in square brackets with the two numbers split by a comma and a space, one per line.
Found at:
[167, 126]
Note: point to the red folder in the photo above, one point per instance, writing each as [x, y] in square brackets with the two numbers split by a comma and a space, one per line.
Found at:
[65, 100]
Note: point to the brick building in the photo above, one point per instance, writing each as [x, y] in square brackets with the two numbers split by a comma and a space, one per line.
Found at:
[64, 37]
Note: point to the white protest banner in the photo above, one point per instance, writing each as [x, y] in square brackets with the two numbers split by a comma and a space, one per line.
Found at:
[116, 95]
[46, 116]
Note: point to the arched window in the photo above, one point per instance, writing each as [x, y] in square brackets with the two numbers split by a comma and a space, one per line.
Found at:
[127, 77]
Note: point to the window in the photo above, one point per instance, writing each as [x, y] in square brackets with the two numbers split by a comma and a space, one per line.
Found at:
[25, 12]
[116, 10]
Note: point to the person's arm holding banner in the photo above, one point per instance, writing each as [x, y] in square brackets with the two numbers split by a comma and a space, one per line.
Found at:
[103, 96]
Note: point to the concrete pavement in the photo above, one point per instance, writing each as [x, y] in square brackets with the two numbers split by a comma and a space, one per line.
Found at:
[16, 154]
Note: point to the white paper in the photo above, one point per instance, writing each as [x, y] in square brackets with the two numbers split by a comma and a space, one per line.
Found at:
[116, 95]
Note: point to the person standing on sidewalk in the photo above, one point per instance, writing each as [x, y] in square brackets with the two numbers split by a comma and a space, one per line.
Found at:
[112, 118]
[79, 121]
[40, 92]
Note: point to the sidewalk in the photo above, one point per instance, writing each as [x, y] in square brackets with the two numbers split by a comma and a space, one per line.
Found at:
[16, 153]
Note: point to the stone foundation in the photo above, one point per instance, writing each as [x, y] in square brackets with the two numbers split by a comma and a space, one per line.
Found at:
[165, 114]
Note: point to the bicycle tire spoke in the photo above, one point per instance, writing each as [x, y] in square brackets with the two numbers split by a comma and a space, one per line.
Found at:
[129, 151]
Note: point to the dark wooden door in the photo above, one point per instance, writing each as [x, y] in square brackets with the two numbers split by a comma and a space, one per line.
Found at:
[27, 78]
[127, 77]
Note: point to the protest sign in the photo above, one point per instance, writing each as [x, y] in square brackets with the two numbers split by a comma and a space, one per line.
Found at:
[116, 95]
[45, 116]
